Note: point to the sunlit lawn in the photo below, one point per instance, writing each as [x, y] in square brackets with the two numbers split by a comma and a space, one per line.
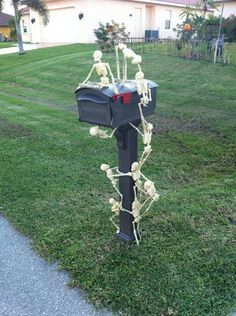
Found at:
[51, 187]
[7, 44]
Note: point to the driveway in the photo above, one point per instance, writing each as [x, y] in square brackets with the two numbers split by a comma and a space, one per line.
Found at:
[30, 286]
[11, 50]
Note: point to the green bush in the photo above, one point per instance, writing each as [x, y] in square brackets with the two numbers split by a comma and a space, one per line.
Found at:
[110, 34]
[229, 28]
[202, 28]
[12, 25]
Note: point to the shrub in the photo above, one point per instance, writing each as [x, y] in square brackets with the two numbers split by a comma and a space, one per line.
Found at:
[229, 28]
[110, 34]
[201, 28]
[12, 25]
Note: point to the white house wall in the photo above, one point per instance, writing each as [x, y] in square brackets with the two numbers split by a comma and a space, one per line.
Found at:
[161, 16]
[65, 25]
[136, 16]
[62, 26]
[125, 12]
[35, 27]
[26, 28]
[229, 8]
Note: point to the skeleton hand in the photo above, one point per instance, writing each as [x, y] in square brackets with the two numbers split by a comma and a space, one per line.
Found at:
[96, 131]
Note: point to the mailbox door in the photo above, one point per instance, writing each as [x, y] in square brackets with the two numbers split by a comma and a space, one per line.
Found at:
[123, 113]
[93, 106]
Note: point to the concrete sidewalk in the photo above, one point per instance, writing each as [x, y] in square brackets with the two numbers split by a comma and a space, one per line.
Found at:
[11, 50]
[29, 286]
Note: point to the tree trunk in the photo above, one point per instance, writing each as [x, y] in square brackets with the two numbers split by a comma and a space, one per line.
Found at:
[18, 29]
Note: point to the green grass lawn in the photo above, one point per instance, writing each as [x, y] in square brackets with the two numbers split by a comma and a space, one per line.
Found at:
[52, 190]
[7, 44]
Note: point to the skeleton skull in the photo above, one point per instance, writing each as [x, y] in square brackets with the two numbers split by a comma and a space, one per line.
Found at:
[97, 55]
[94, 130]
[104, 167]
[139, 75]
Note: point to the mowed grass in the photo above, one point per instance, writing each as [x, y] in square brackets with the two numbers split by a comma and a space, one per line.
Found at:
[7, 44]
[51, 187]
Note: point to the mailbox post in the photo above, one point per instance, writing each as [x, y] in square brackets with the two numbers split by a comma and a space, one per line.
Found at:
[105, 108]
[127, 154]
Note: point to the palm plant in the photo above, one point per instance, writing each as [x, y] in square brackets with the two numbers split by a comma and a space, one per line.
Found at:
[37, 5]
[206, 5]
[188, 13]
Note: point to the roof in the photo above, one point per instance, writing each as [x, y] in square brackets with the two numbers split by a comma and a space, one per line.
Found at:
[5, 18]
[184, 2]
[25, 11]
[177, 3]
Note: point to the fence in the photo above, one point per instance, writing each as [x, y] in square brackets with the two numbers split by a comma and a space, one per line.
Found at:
[193, 49]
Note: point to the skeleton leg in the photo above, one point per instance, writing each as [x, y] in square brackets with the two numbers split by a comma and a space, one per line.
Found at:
[135, 197]
[125, 70]
[135, 232]
[113, 132]
[140, 189]
[136, 129]
[144, 158]
[111, 219]
[141, 113]
[152, 201]
[135, 192]
[117, 63]
[147, 200]
[143, 121]
[149, 95]
[138, 230]
[117, 190]
[145, 178]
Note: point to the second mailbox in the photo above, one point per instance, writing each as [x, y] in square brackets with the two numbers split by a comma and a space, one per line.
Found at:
[105, 108]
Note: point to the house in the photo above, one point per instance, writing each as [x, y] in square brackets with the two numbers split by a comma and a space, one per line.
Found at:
[73, 21]
[229, 8]
[26, 25]
[5, 29]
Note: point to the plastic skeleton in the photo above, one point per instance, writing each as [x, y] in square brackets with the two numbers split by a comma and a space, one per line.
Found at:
[145, 193]
[102, 70]
[116, 207]
[147, 196]
[128, 54]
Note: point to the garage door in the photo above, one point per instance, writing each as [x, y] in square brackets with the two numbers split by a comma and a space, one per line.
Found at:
[62, 26]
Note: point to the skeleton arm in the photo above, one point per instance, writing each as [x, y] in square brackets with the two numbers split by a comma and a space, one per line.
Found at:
[89, 75]
[112, 78]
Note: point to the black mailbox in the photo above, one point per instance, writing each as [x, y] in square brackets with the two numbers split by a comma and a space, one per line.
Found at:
[105, 108]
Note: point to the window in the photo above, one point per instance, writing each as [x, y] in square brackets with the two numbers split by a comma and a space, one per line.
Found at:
[24, 27]
[168, 19]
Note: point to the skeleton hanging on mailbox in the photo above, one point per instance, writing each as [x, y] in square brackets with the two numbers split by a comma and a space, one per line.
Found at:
[114, 94]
